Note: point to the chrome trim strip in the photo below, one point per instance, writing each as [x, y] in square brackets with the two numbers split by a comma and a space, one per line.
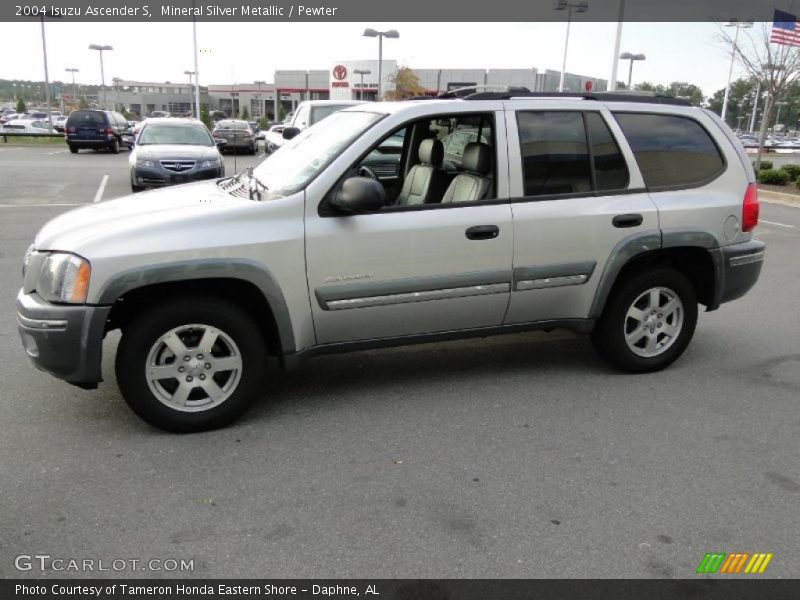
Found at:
[547, 282]
[737, 261]
[421, 296]
[41, 323]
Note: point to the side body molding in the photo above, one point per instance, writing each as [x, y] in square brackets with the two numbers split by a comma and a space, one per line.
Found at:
[217, 268]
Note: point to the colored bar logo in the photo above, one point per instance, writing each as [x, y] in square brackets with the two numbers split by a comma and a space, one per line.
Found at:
[734, 563]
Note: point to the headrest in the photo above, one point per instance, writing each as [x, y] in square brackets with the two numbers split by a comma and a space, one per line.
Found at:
[431, 152]
[477, 158]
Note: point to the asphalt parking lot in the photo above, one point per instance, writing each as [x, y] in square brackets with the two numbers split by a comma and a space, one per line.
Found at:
[519, 456]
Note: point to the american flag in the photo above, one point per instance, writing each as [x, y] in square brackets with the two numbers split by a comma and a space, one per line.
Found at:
[785, 29]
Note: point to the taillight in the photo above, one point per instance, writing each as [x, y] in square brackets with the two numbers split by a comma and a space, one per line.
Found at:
[750, 208]
[70, 130]
[109, 131]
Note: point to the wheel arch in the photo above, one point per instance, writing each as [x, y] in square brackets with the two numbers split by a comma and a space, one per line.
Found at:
[692, 253]
[244, 283]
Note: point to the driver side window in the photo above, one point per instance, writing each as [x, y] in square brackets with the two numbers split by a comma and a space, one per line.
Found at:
[446, 159]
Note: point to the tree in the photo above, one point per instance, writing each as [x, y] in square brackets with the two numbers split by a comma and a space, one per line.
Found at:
[774, 67]
[205, 116]
[405, 83]
[679, 89]
[740, 102]
[83, 103]
[245, 114]
[21, 108]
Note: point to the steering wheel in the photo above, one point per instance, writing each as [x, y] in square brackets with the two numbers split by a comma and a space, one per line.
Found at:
[365, 171]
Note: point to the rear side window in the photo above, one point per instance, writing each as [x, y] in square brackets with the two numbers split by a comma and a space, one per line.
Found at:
[86, 118]
[672, 151]
[555, 155]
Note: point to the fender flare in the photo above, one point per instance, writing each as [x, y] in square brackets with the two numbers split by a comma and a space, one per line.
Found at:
[216, 268]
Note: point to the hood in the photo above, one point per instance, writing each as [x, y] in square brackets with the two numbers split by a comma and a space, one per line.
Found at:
[161, 212]
[157, 151]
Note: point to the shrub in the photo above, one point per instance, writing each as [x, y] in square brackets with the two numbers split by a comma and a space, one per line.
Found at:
[792, 170]
[773, 177]
[797, 183]
[765, 164]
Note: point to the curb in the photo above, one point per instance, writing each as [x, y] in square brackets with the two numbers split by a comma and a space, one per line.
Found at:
[779, 198]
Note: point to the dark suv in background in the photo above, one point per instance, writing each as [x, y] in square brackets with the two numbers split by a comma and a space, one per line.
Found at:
[96, 129]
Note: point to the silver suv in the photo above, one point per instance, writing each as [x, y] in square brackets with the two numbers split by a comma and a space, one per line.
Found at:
[605, 214]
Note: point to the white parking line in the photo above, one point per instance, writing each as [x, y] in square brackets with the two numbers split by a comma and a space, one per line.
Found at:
[99, 195]
[777, 224]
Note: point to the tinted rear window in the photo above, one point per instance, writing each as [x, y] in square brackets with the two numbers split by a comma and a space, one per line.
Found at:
[672, 151]
[85, 117]
[555, 156]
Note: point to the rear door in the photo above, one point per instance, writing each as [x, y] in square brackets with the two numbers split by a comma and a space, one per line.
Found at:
[576, 194]
[87, 125]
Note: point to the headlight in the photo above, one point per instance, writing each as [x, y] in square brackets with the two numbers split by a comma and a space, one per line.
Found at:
[64, 278]
[26, 260]
[143, 162]
[212, 162]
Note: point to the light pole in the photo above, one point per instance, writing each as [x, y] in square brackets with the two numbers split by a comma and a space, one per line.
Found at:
[73, 71]
[738, 25]
[631, 57]
[612, 82]
[100, 49]
[578, 7]
[116, 81]
[46, 79]
[362, 72]
[190, 73]
[196, 70]
[391, 34]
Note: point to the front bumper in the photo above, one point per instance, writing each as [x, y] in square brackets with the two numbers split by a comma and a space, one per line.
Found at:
[738, 269]
[156, 176]
[63, 340]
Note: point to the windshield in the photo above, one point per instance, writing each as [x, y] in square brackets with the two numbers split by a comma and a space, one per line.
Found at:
[325, 110]
[300, 159]
[175, 134]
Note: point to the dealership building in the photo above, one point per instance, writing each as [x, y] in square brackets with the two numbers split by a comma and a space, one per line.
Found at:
[343, 80]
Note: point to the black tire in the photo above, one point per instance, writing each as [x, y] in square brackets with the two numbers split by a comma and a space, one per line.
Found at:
[113, 146]
[142, 334]
[609, 334]
[136, 188]
[73, 149]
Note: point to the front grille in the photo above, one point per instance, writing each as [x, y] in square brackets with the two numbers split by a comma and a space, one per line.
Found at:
[178, 166]
[234, 188]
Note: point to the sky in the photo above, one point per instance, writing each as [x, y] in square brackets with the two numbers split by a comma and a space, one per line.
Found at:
[247, 52]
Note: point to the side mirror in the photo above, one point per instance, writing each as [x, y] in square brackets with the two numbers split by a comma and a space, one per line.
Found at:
[359, 194]
[290, 132]
[220, 142]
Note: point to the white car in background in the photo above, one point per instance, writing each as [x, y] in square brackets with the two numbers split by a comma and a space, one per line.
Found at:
[26, 126]
[308, 113]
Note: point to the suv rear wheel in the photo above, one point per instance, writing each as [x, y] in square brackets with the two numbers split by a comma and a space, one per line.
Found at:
[113, 146]
[649, 321]
[73, 149]
[191, 365]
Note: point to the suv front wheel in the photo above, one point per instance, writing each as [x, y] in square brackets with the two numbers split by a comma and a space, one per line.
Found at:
[648, 322]
[191, 365]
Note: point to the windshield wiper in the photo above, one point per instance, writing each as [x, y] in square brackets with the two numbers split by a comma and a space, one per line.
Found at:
[254, 190]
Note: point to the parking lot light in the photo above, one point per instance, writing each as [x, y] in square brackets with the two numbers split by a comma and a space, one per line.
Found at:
[631, 57]
[392, 34]
[578, 7]
[190, 74]
[362, 72]
[100, 49]
[73, 71]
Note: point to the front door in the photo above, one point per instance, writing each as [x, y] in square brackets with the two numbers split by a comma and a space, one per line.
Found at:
[417, 269]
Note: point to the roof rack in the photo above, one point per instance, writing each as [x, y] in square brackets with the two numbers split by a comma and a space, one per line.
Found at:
[647, 98]
[464, 92]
